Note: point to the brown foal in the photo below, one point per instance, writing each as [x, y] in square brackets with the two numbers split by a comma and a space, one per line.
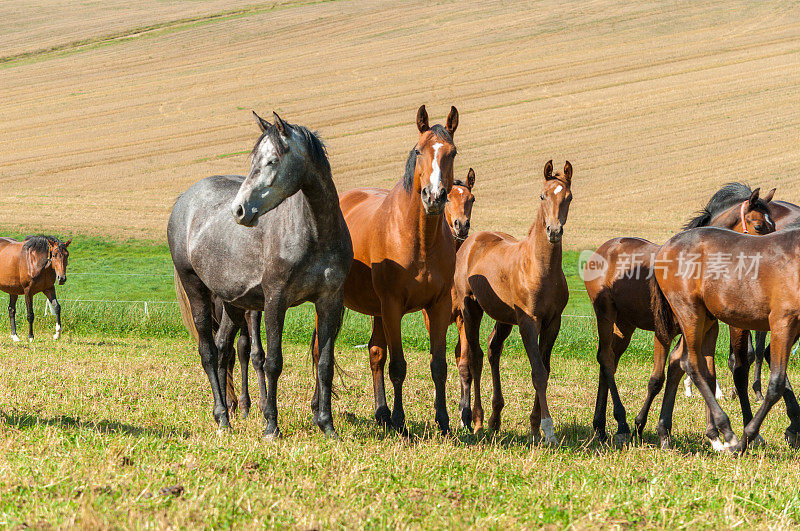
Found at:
[516, 282]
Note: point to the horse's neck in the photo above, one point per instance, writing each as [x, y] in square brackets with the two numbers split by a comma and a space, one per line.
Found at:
[321, 194]
[537, 247]
[727, 219]
[423, 230]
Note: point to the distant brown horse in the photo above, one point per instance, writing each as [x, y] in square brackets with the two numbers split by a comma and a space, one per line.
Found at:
[31, 267]
[750, 283]
[404, 257]
[617, 282]
[516, 282]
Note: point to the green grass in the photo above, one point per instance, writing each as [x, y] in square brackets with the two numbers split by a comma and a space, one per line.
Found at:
[94, 426]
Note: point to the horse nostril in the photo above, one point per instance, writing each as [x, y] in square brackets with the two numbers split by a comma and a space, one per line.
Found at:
[240, 212]
[466, 225]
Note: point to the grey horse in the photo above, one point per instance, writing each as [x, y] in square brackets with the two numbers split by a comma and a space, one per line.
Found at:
[268, 241]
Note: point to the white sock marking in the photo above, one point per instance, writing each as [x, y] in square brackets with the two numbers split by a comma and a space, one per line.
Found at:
[16, 338]
[687, 385]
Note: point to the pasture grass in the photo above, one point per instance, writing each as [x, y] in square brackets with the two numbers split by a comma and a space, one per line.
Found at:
[111, 427]
[117, 432]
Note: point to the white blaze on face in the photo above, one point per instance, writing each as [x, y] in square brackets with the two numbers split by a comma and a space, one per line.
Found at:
[436, 173]
[558, 189]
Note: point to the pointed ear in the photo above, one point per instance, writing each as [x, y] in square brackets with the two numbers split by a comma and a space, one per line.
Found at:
[753, 198]
[422, 119]
[66, 244]
[262, 123]
[548, 170]
[568, 172]
[452, 121]
[767, 198]
[280, 125]
[470, 178]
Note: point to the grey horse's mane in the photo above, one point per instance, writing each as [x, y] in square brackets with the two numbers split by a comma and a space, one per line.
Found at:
[723, 199]
[411, 162]
[313, 144]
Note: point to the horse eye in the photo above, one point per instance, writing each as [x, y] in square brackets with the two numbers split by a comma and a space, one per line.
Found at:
[416, 151]
[541, 196]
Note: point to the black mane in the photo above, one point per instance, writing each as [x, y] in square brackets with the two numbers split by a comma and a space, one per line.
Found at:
[724, 198]
[39, 243]
[411, 162]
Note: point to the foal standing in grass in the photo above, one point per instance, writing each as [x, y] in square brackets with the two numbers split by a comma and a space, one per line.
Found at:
[31, 267]
[516, 282]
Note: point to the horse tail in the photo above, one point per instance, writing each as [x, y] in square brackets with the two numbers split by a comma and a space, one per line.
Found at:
[185, 307]
[666, 327]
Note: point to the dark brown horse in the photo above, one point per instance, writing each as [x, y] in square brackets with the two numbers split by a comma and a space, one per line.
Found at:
[404, 257]
[516, 282]
[617, 282]
[709, 274]
[31, 267]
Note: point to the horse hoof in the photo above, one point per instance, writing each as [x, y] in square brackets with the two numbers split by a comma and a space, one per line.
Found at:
[792, 439]
[466, 418]
[666, 444]
[56, 336]
[383, 417]
[245, 412]
[734, 447]
[30, 339]
[717, 445]
[223, 430]
[331, 434]
[15, 338]
[622, 439]
[758, 442]
[271, 436]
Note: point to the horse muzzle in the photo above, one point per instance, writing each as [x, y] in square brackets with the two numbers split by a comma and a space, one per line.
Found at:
[555, 233]
[61, 279]
[433, 202]
[243, 214]
[460, 230]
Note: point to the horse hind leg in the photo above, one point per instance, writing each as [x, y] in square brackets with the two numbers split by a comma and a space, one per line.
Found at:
[496, 341]
[758, 351]
[229, 325]
[12, 317]
[472, 313]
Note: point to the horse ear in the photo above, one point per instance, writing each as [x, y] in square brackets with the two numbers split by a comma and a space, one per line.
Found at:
[767, 198]
[548, 170]
[283, 129]
[66, 244]
[753, 198]
[470, 178]
[262, 123]
[568, 172]
[422, 119]
[452, 121]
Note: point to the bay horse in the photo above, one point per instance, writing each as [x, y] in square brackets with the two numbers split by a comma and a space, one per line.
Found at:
[29, 267]
[515, 282]
[783, 213]
[747, 282]
[265, 242]
[404, 258]
[617, 282]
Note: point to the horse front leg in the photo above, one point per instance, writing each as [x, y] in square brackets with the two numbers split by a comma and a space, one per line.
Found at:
[274, 317]
[471, 314]
[439, 315]
[540, 415]
[12, 317]
[56, 307]
[760, 342]
[464, 374]
[392, 314]
[29, 307]
[257, 357]
[329, 320]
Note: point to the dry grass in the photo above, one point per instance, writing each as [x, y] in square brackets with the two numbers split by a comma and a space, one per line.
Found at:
[93, 428]
[655, 104]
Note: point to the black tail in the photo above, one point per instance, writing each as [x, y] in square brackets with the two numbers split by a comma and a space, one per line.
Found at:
[666, 327]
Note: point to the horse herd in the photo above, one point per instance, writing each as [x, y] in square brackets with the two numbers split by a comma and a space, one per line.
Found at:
[245, 249]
